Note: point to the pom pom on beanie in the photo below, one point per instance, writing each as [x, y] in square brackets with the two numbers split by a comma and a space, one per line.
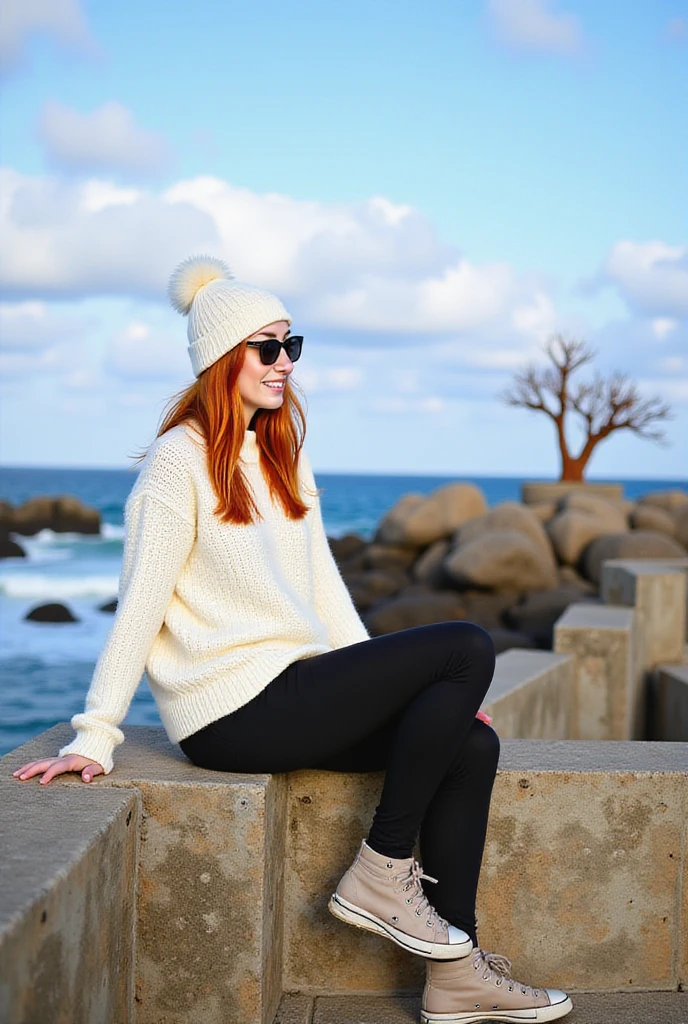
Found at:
[222, 311]
[191, 275]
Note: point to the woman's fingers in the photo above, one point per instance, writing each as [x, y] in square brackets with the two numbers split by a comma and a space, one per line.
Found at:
[52, 766]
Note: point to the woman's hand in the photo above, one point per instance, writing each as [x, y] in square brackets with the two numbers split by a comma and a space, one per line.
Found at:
[52, 766]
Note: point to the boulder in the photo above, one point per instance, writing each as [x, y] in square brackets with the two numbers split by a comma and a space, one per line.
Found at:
[670, 501]
[63, 514]
[52, 612]
[543, 510]
[499, 560]
[413, 609]
[368, 588]
[388, 556]
[652, 517]
[416, 521]
[6, 516]
[614, 514]
[343, 548]
[538, 611]
[429, 568]
[507, 639]
[509, 515]
[571, 531]
[487, 610]
[681, 525]
[10, 548]
[635, 544]
[110, 607]
[568, 576]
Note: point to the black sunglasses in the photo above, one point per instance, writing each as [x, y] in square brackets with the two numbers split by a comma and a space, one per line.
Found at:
[270, 349]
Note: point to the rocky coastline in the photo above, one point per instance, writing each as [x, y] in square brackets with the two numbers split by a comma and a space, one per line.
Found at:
[512, 569]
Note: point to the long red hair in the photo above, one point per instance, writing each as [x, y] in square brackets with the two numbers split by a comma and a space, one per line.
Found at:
[214, 405]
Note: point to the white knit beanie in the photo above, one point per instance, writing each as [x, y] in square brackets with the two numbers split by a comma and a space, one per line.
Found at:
[222, 311]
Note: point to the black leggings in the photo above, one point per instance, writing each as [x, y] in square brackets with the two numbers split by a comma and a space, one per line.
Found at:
[404, 702]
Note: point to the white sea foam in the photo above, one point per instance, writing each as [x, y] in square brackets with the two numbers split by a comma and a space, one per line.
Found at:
[112, 531]
[29, 586]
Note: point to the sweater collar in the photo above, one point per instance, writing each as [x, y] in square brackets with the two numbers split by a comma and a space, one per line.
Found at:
[249, 449]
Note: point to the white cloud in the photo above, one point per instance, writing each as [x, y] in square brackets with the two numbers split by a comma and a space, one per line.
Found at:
[32, 327]
[673, 389]
[106, 139]
[674, 364]
[139, 352]
[662, 326]
[61, 20]
[374, 266]
[398, 405]
[652, 277]
[532, 25]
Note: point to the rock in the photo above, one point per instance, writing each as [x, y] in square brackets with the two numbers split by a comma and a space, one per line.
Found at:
[10, 548]
[543, 510]
[110, 607]
[343, 548]
[652, 517]
[571, 531]
[501, 559]
[388, 556]
[507, 639]
[368, 588]
[670, 501]
[63, 514]
[429, 568]
[6, 516]
[487, 610]
[635, 544]
[52, 612]
[414, 609]
[568, 576]
[507, 516]
[416, 521]
[614, 514]
[539, 610]
[681, 525]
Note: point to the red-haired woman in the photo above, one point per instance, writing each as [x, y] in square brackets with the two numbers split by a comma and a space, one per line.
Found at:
[231, 600]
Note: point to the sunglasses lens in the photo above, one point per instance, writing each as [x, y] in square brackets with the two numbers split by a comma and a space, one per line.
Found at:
[293, 347]
[269, 351]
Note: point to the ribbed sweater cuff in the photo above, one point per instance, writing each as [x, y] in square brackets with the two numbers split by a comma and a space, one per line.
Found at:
[95, 745]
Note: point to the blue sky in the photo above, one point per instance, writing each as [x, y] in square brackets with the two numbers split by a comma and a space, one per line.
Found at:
[432, 189]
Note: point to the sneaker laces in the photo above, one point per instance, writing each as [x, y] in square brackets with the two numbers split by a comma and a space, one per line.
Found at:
[494, 964]
[413, 880]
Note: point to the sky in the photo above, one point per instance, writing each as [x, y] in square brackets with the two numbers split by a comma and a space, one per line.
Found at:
[433, 190]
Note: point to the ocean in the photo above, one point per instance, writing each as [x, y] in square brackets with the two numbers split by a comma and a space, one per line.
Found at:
[45, 669]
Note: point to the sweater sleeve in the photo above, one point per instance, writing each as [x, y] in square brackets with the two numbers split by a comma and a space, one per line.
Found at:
[156, 546]
[333, 602]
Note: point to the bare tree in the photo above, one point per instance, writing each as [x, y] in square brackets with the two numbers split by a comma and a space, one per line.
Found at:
[604, 404]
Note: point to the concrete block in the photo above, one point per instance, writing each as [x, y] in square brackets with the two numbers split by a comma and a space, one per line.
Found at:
[209, 922]
[582, 877]
[657, 591]
[670, 703]
[532, 695]
[608, 695]
[585, 863]
[67, 903]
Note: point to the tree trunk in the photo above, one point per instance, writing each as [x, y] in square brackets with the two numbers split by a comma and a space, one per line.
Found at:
[573, 470]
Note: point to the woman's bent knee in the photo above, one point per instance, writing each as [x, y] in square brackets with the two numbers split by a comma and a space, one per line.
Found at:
[482, 744]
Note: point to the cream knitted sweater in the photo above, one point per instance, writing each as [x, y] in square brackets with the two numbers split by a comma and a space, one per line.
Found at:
[213, 611]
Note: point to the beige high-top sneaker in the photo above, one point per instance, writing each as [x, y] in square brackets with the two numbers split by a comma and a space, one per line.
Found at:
[480, 988]
[384, 895]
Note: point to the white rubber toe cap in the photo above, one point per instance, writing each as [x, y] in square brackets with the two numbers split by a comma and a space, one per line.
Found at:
[556, 996]
[457, 937]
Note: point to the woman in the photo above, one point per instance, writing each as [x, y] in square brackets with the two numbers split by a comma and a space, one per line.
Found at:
[230, 598]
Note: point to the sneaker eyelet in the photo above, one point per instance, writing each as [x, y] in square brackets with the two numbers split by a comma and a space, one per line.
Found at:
[523, 990]
[499, 982]
[389, 864]
[408, 901]
[394, 917]
[418, 913]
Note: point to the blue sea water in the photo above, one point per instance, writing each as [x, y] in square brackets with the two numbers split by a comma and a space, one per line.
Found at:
[45, 669]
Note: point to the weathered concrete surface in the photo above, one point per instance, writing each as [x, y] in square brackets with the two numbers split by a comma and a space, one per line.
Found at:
[670, 704]
[532, 695]
[657, 591]
[608, 692]
[589, 1008]
[532, 493]
[212, 855]
[587, 840]
[67, 904]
